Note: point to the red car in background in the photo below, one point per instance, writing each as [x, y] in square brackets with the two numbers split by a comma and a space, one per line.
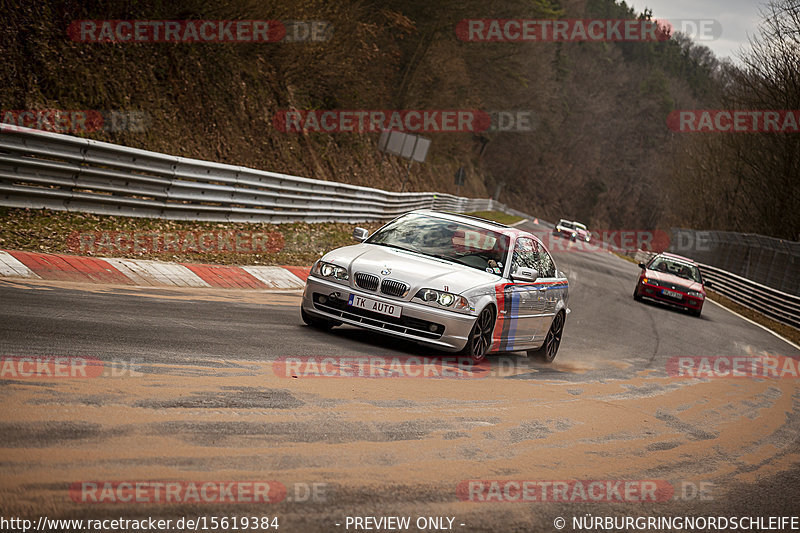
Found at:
[674, 280]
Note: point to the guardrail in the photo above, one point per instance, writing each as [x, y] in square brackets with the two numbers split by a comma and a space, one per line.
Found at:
[777, 305]
[41, 169]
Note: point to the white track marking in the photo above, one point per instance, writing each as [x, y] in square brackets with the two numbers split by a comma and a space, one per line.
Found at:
[10, 266]
[146, 272]
[765, 328]
[275, 277]
[132, 271]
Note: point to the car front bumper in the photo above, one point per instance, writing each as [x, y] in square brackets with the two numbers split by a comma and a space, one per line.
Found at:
[329, 300]
[654, 293]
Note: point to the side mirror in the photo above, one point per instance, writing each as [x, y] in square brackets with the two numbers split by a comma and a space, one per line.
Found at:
[525, 274]
[642, 266]
[360, 234]
[708, 284]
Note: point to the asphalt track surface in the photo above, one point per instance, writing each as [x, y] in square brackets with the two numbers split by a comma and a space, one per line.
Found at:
[196, 397]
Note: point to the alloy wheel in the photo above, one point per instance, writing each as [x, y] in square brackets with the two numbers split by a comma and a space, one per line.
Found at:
[480, 338]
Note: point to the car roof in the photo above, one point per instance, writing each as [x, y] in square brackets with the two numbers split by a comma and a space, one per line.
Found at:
[475, 221]
[677, 257]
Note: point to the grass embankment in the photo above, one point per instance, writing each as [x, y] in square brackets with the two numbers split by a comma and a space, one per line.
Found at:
[170, 240]
[182, 241]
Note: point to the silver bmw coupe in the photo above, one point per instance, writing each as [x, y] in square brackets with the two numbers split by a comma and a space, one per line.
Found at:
[453, 282]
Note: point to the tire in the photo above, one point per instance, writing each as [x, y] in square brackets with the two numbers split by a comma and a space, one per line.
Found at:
[636, 295]
[696, 313]
[319, 323]
[549, 349]
[480, 337]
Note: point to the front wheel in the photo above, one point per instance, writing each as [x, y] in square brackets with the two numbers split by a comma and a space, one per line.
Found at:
[549, 348]
[480, 338]
[636, 295]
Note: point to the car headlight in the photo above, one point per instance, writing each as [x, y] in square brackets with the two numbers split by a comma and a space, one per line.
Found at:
[329, 270]
[695, 294]
[445, 299]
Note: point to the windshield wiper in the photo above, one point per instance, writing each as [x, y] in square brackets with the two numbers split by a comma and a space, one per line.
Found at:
[394, 246]
[451, 259]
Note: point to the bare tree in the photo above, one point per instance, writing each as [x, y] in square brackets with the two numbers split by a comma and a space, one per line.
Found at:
[768, 169]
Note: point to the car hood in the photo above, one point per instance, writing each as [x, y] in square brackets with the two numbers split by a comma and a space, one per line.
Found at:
[677, 281]
[417, 270]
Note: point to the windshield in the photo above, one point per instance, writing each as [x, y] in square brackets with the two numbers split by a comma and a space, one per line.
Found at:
[566, 224]
[676, 268]
[445, 239]
[580, 226]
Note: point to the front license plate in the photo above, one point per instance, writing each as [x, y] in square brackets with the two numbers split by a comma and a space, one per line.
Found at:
[376, 307]
[672, 294]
